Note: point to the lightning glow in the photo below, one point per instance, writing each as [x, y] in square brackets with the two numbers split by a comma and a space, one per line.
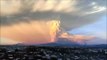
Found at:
[54, 28]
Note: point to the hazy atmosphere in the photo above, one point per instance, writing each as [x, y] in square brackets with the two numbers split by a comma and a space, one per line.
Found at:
[45, 21]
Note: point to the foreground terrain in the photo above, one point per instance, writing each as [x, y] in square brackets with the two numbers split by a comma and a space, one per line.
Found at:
[51, 53]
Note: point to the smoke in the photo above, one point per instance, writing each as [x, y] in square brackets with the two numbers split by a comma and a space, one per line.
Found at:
[15, 11]
[32, 32]
[40, 21]
[75, 38]
[9, 7]
[39, 32]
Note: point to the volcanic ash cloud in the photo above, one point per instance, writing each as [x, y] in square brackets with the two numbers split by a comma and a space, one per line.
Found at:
[32, 32]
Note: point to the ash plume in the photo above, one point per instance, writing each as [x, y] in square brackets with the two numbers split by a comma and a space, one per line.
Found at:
[41, 21]
[17, 11]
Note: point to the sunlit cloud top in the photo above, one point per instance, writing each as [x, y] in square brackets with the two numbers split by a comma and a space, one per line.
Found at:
[15, 6]
[65, 10]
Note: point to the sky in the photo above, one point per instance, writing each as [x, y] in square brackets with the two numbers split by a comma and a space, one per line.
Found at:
[97, 29]
[43, 21]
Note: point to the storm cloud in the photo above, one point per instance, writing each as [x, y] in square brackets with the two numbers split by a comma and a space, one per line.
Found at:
[71, 13]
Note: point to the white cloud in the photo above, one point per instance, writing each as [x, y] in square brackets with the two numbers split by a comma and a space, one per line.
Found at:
[97, 9]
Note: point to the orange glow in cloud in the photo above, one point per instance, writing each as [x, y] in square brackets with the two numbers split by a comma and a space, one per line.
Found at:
[76, 38]
[32, 32]
[54, 28]
[37, 32]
